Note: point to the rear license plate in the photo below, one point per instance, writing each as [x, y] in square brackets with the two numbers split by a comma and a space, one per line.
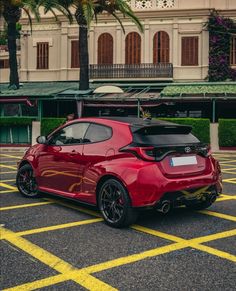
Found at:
[183, 161]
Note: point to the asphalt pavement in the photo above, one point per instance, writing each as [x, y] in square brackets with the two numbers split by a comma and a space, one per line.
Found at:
[50, 243]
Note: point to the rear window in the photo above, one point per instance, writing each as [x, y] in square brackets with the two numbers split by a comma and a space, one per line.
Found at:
[164, 136]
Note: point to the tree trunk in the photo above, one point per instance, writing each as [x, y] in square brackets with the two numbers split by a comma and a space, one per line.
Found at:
[14, 78]
[83, 49]
[83, 58]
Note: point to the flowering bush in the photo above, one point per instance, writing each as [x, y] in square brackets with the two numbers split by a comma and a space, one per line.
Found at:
[220, 30]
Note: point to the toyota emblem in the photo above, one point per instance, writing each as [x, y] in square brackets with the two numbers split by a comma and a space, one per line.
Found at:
[187, 150]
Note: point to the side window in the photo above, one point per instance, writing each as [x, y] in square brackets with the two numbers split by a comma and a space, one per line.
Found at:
[72, 134]
[97, 133]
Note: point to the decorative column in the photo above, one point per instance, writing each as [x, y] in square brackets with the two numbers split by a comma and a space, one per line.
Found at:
[64, 51]
[175, 47]
[147, 45]
[91, 46]
[119, 49]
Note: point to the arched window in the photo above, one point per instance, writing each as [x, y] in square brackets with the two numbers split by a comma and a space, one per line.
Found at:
[161, 47]
[133, 48]
[105, 49]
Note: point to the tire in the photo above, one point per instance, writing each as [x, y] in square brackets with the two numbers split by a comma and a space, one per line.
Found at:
[26, 183]
[114, 204]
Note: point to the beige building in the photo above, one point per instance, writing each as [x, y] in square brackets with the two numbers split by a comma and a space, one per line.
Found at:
[174, 45]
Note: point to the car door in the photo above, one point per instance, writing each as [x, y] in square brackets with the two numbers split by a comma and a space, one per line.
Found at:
[60, 165]
[97, 148]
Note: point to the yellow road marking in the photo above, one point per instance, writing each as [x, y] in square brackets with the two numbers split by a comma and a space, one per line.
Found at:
[87, 211]
[88, 280]
[8, 167]
[10, 156]
[229, 172]
[211, 237]
[217, 214]
[24, 205]
[38, 283]
[1, 173]
[157, 233]
[232, 181]
[228, 169]
[215, 252]
[10, 180]
[232, 197]
[59, 226]
[7, 191]
[4, 185]
[231, 161]
[82, 278]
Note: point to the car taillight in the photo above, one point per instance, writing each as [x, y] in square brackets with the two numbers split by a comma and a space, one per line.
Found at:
[205, 150]
[145, 153]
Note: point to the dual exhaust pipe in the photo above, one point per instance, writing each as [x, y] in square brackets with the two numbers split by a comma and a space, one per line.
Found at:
[164, 207]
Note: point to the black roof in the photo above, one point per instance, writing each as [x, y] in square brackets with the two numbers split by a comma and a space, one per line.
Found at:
[137, 123]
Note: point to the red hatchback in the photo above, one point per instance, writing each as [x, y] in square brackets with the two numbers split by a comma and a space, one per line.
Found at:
[121, 165]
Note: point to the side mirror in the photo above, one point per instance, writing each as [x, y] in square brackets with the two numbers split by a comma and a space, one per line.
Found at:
[41, 139]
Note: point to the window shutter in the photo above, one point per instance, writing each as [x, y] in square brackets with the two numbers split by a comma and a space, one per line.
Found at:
[233, 51]
[105, 49]
[42, 55]
[75, 54]
[189, 51]
[161, 47]
[133, 48]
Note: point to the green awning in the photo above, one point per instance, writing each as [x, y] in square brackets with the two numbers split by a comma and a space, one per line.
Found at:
[212, 90]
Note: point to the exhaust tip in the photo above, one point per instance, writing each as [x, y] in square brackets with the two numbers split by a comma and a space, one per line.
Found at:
[164, 207]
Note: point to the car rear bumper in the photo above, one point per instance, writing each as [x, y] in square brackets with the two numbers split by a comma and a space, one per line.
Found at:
[152, 187]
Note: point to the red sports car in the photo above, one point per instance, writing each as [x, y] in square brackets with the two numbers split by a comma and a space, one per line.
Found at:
[122, 165]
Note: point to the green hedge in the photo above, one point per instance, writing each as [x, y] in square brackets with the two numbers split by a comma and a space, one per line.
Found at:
[15, 121]
[227, 132]
[49, 124]
[201, 126]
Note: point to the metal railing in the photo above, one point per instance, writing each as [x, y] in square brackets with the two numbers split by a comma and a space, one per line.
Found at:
[120, 71]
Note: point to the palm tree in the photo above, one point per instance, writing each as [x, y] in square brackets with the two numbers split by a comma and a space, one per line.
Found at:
[11, 11]
[85, 12]
[88, 10]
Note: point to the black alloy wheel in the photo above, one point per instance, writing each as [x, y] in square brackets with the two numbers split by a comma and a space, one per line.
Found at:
[114, 204]
[26, 183]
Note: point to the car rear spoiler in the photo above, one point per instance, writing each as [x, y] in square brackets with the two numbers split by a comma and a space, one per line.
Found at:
[170, 128]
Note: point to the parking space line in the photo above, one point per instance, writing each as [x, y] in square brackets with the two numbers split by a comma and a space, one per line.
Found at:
[8, 191]
[229, 172]
[10, 180]
[24, 205]
[87, 211]
[54, 262]
[226, 169]
[8, 167]
[58, 226]
[4, 185]
[232, 180]
[10, 156]
[229, 196]
[231, 161]
[10, 172]
[217, 214]
[87, 281]
[38, 283]
[215, 252]
[157, 233]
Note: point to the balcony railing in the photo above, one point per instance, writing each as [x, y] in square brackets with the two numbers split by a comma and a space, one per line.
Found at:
[121, 71]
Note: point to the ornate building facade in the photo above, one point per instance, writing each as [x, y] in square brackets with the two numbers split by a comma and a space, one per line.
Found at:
[174, 45]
